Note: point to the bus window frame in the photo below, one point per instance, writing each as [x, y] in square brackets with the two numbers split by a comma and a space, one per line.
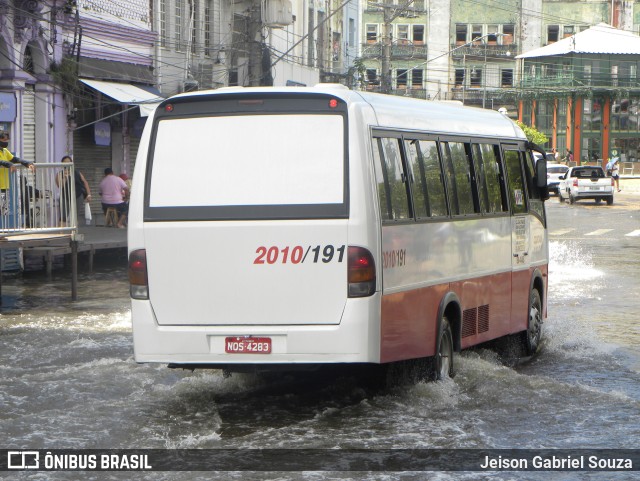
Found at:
[234, 104]
[520, 149]
[502, 179]
[421, 137]
[377, 137]
[466, 142]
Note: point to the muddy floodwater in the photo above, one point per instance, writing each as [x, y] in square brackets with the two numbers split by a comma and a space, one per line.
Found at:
[68, 379]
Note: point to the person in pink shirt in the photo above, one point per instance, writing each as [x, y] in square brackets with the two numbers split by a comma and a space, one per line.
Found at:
[113, 191]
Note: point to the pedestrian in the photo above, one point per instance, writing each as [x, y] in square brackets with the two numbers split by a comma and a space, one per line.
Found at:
[127, 181]
[114, 191]
[615, 173]
[82, 191]
[9, 162]
[554, 152]
[569, 156]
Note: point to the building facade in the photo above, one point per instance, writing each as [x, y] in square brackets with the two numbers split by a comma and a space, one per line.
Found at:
[32, 108]
[105, 72]
[584, 93]
[466, 51]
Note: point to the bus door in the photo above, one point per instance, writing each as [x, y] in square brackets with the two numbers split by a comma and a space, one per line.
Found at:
[520, 232]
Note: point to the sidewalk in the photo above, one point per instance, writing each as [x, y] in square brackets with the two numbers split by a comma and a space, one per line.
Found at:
[94, 239]
[630, 185]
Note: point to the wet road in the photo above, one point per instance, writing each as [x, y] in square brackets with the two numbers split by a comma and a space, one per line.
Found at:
[68, 379]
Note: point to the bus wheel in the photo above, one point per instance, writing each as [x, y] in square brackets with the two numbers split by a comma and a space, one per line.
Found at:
[533, 334]
[442, 362]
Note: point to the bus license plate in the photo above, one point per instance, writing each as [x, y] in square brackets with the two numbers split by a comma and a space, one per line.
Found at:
[247, 345]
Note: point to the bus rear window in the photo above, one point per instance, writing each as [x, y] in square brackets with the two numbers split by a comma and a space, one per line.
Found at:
[270, 161]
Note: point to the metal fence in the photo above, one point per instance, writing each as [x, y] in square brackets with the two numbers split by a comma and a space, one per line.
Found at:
[42, 200]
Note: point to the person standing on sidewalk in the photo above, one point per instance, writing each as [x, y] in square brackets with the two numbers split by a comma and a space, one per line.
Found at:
[113, 191]
[615, 172]
[82, 191]
[9, 162]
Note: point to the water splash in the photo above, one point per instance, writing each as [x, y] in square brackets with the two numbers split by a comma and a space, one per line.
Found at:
[572, 274]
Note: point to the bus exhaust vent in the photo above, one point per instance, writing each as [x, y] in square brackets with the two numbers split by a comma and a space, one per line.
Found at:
[475, 321]
[469, 322]
[483, 318]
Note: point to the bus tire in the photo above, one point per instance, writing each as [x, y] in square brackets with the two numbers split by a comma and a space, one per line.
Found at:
[532, 336]
[442, 362]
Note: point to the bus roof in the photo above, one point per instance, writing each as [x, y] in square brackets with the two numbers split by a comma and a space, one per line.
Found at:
[401, 112]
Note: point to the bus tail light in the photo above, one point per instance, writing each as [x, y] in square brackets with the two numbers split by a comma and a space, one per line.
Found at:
[138, 281]
[362, 272]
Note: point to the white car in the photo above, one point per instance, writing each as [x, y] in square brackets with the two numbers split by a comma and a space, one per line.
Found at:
[585, 182]
[554, 172]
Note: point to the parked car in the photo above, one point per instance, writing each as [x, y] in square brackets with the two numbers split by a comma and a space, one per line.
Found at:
[550, 157]
[585, 182]
[554, 172]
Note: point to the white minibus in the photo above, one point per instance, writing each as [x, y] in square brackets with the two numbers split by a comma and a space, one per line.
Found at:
[284, 228]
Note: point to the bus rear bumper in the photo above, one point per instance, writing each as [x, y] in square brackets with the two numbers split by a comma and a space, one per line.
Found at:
[355, 340]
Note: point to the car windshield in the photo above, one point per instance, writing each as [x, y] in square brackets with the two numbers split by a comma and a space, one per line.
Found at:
[557, 170]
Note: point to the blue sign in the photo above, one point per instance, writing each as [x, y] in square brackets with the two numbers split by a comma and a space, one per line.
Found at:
[102, 133]
[138, 127]
[7, 107]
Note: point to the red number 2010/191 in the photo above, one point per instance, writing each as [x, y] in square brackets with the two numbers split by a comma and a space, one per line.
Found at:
[272, 254]
[297, 254]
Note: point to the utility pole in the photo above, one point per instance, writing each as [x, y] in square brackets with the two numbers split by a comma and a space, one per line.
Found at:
[390, 13]
[254, 34]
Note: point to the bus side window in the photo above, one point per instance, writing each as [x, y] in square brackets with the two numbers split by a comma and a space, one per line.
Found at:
[535, 201]
[391, 180]
[515, 181]
[530, 171]
[450, 178]
[489, 178]
[481, 181]
[459, 177]
[418, 184]
[437, 197]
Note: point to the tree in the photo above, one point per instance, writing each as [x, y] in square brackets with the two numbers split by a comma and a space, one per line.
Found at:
[533, 135]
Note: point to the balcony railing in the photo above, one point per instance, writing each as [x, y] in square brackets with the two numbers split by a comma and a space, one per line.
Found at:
[374, 50]
[403, 92]
[42, 201]
[481, 49]
[576, 81]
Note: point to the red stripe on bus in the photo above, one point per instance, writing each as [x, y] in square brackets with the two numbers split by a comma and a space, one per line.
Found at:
[409, 318]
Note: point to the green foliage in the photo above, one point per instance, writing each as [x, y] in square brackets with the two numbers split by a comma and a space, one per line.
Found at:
[533, 135]
[361, 73]
[65, 75]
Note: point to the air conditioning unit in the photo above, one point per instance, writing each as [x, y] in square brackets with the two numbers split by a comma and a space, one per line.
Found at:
[279, 13]
[190, 85]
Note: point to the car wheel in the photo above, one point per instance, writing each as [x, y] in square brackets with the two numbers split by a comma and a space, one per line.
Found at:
[598, 200]
[572, 199]
[531, 337]
[610, 200]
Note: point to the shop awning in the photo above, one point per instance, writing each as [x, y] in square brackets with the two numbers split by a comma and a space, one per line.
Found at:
[128, 94]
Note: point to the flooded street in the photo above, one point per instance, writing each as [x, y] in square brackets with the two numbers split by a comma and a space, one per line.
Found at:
[68, 379]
